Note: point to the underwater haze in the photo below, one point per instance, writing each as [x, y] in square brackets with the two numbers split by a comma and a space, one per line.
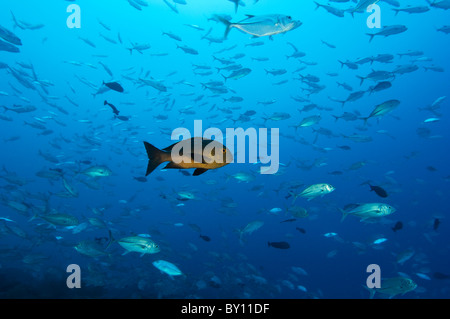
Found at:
[350, 171]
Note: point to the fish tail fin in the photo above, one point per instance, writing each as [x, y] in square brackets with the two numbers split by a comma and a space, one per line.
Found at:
[227, 23]
[293, 195]
[361, 78]
[371, 36]
[155, 157]
[225, 78]
[364, 119]
[105, 102]
[33, 217]
[344, 214]
[342, 63]
[268, 243]
[336, 117]
[6, 109]
[317, 5]
[111, 239]
[396, 11]
[371, 291]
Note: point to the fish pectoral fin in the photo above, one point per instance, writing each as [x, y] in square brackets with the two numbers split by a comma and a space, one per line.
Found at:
[199, 171]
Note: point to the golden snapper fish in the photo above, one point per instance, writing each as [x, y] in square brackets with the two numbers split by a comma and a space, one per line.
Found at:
[197, 152]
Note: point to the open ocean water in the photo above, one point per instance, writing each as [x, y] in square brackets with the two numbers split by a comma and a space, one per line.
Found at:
[356, 114]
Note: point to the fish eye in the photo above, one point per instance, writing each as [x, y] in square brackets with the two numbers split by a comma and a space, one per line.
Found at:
[289, 17]
[224, 150]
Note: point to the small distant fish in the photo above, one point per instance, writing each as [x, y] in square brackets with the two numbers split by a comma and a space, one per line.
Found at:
[330, 234]
[237, 74]
[379, 191]
[439, 275]
[139, 244]
[279, 244]
[288, 220]
[115, 86]
[167, 268]
[140, 179]
[314, 191]
[97, 171]
[275, 210]
[301, 230]
[431, 120]
[205, 238]
[388, 30]
[122, 117]
[397, 226]
[114, 109]
[379, 241]
[436, 223]
[423, 276]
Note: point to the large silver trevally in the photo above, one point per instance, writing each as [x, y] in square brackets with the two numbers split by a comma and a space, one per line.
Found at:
[314, 191]
[97, 171]
[139, 244]
[260, 26]
[168, 268]
[394, 286]
[367, 211]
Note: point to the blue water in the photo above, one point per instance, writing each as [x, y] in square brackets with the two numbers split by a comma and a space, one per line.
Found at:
[410, 164]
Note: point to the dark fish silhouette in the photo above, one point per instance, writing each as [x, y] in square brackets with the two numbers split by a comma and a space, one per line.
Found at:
[288, 220]
[115, 86]
[205, 238]
[301, 230]
[397, 226]
[379, 191]
[279, 244]
[114, 109]
[122, 118]
[140, 179]
[439, 275]
[436, 223]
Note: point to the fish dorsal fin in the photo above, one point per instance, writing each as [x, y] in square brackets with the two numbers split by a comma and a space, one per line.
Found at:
[169, 148]
[248, 16]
